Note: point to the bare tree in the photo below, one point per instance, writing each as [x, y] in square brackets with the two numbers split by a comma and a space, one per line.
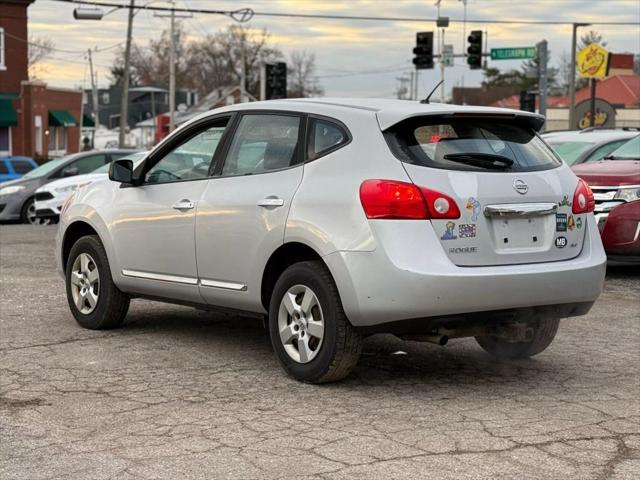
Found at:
[301, 75]
[39, 50]
[214, 61]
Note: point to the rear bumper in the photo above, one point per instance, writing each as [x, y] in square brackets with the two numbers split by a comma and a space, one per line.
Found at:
[412, 277]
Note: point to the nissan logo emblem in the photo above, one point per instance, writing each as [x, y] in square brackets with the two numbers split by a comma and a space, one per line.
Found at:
[520, 186]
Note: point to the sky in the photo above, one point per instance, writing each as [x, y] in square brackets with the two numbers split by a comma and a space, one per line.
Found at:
[353, 57]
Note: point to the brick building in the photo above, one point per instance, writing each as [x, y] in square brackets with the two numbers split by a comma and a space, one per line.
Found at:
[35, 120]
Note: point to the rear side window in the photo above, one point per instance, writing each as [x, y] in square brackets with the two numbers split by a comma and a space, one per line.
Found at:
[3, 167]
[476, 144]
[325, 137]
[20, 166]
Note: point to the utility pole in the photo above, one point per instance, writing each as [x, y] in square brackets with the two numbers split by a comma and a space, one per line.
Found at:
[172, 62]
[572, 75]
[124, 98]
[172, 71]
[94, 100]
[542, 75]
[442, 99]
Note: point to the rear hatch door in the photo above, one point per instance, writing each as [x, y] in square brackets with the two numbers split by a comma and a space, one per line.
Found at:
[515, 202]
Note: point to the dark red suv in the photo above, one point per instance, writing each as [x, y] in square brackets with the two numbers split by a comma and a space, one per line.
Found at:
[615, 182]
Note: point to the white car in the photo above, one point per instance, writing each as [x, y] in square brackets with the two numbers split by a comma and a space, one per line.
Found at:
[50, 197]
[339, 218]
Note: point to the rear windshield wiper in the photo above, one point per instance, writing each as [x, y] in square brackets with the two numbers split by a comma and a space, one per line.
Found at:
[483, 160]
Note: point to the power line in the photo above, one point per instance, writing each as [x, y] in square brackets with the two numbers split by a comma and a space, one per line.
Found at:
[332, 17]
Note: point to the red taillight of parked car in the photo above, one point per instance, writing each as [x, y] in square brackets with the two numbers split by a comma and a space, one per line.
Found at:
[583, 201]
[390, 199]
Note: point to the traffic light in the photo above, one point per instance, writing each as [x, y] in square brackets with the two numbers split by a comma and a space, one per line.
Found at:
[527, 101]
[474, 50]
[423, 51]
[275, 81]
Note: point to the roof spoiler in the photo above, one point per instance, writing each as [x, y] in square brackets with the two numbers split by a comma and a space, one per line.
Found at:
[528, 119]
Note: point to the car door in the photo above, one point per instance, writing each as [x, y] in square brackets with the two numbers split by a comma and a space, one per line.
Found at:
[242, 214]
[153, 222]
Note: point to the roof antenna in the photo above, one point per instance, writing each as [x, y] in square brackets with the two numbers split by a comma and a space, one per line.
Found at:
[426, 100]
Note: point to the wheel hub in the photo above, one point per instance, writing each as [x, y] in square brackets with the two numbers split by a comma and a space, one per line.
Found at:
[301, 323]
[85, 283]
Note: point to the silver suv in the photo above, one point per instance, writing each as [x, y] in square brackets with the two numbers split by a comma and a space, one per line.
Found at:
[336, 219]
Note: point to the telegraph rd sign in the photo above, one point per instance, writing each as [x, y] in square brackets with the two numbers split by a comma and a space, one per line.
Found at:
[514, 53]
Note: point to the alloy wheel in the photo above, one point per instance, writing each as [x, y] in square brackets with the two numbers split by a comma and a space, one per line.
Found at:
[31, 216]
[301, 323]
[85, 283]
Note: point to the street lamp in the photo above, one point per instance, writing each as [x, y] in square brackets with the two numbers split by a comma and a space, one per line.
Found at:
[572, 75]
[92, 13]
[85, 13]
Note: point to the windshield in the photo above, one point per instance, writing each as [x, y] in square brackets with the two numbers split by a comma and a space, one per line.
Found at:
[476, 144]
[46, 168]
[570, 151]
[628, 151]
[136, 158]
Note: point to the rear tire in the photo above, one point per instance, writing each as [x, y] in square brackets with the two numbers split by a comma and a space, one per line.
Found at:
[544, 331]
[94, 300]
[332, 345]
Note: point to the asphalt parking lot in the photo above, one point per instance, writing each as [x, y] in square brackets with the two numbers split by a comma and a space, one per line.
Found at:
[179, 393]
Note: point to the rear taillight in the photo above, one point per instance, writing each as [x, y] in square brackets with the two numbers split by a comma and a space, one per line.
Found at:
[390, 199]
[583, 201]
[440, 205]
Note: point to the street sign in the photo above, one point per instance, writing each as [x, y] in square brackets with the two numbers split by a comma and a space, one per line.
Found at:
[516, 53]
[447, 55]
[593, 61]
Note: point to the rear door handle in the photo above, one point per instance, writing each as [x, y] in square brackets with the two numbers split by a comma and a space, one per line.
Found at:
[184, 205]
[271, 202]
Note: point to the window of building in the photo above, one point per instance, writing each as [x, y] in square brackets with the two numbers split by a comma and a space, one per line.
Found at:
[2, 65]
[37, 122]
[57, 139]
[105, 98]
[5, 140]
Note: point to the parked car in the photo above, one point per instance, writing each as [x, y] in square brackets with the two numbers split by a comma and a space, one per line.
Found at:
[589, 145]
[339, 218]
[615, 182]
[17, 200]
[15, 167]
[50, 197]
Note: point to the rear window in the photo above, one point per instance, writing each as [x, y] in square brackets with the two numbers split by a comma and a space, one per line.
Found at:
[20, 166]
[475, 144]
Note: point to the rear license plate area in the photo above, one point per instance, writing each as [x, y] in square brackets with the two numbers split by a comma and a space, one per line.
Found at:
[522, 234]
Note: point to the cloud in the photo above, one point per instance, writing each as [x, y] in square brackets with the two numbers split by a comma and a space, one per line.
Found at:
[348, 46]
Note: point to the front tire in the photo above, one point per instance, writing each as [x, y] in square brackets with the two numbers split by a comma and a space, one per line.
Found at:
[28, 214]
[544, 331]
[94, 300]
[310, 333]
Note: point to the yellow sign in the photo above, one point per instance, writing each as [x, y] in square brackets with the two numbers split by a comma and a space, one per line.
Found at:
[593, 61]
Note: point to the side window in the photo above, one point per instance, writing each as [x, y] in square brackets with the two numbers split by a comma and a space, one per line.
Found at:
[601, 152]
[3, 167]
[191, 159]
[84, 165]
[262, 143]
[325, 137]
[20, 166]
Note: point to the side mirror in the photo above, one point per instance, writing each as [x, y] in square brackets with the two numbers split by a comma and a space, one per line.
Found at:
[69, 172]
[121, 171]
